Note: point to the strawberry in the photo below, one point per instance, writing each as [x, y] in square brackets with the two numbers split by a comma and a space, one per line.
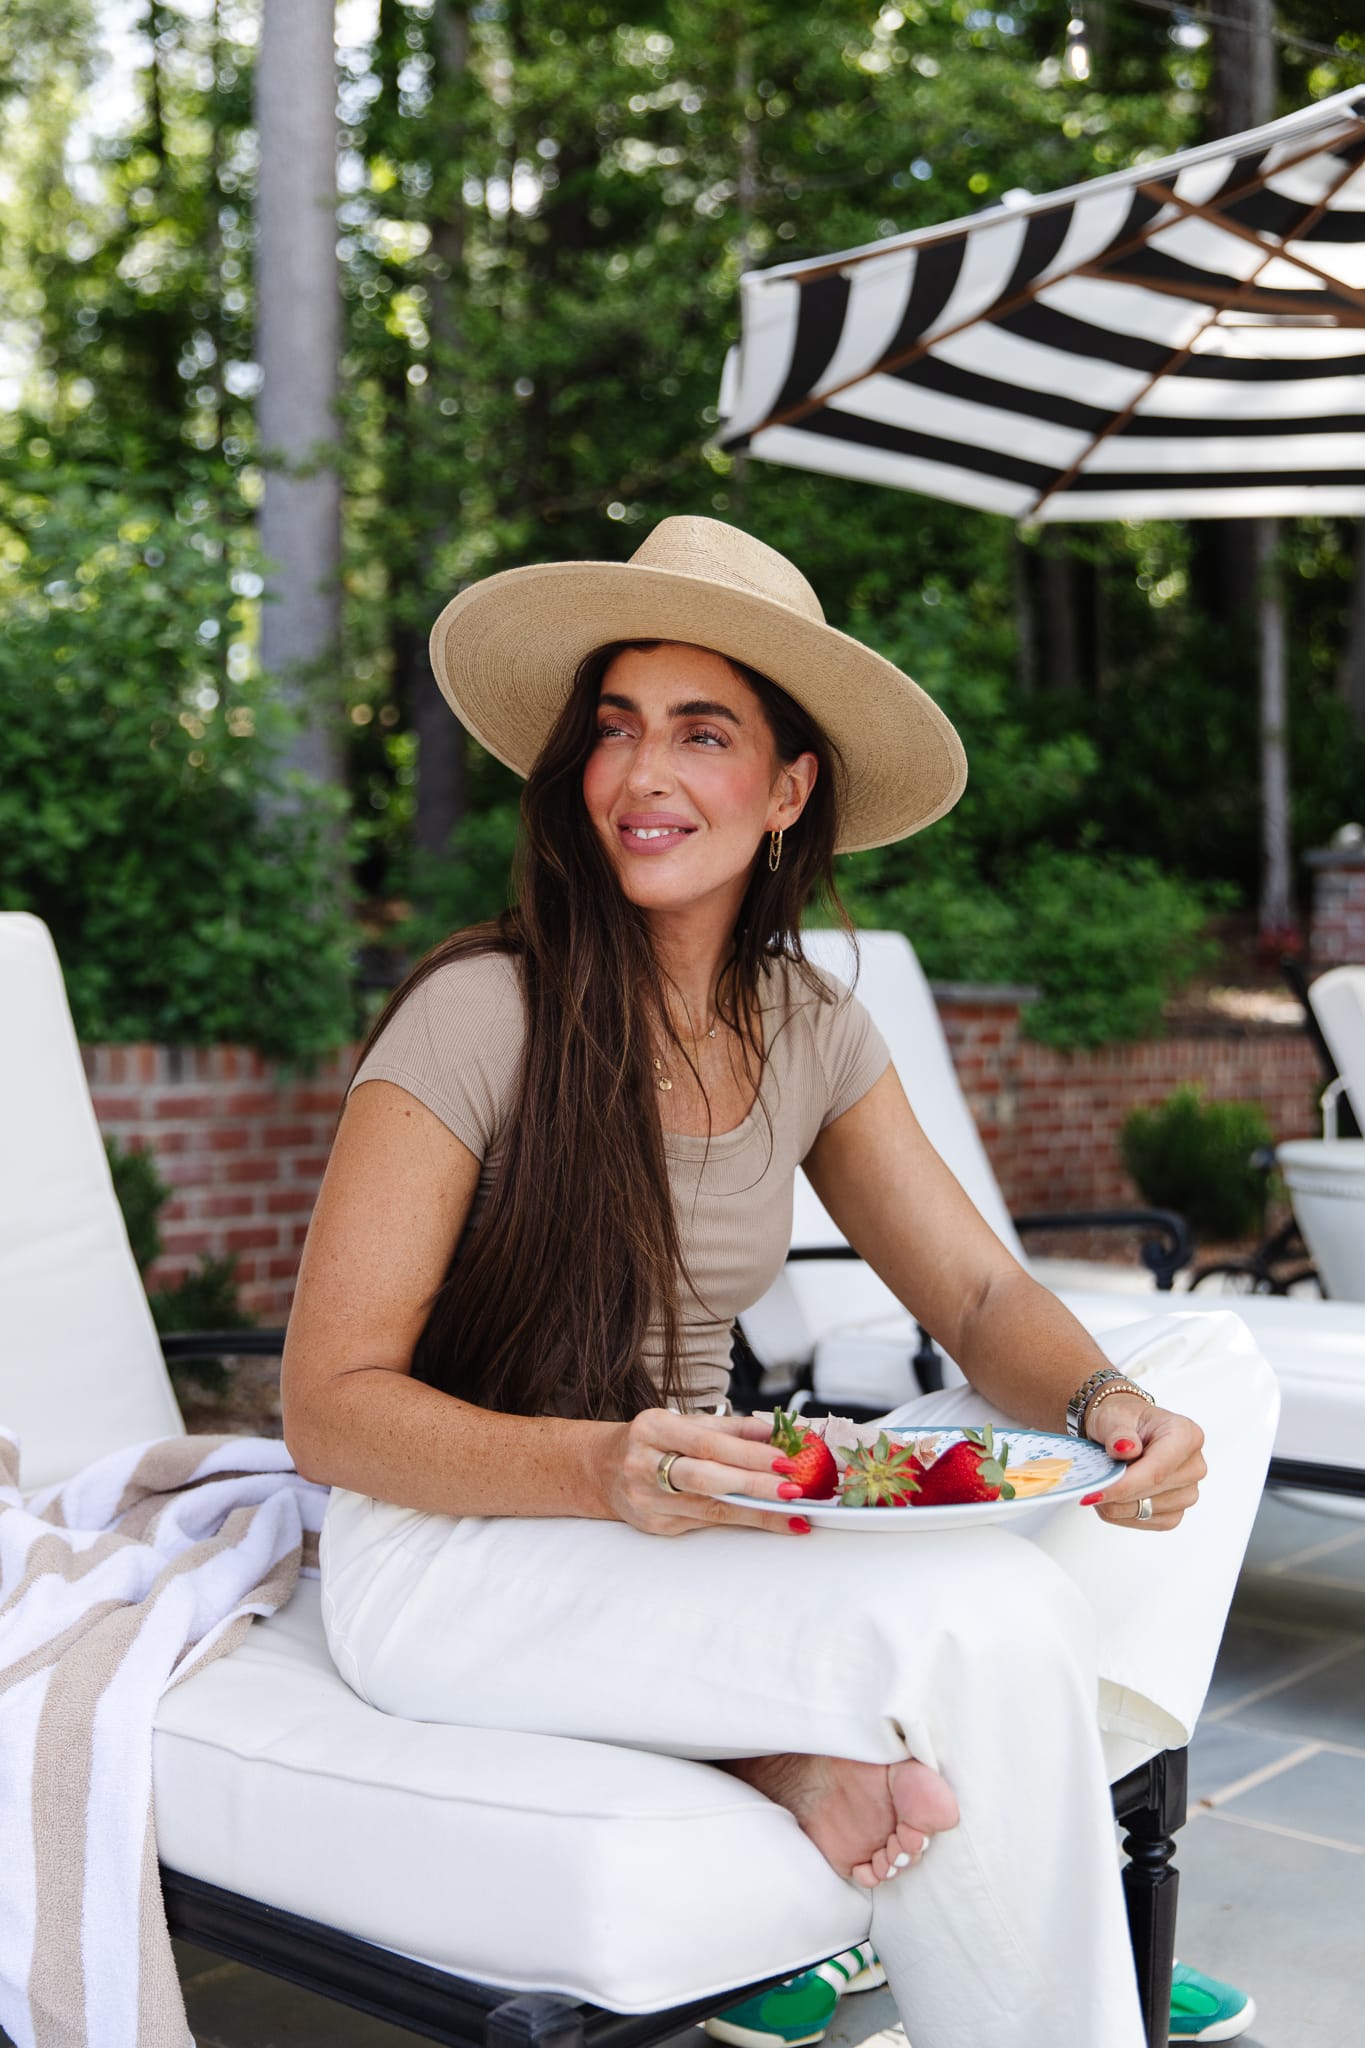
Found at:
[972, 1470]
[806, 1460]
[881, 1475]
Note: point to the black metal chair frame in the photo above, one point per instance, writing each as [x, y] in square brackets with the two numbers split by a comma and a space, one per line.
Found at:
[462, 2013]
[1149, 1802]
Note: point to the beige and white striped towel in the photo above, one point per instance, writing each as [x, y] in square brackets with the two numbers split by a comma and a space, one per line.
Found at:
[114, 1587]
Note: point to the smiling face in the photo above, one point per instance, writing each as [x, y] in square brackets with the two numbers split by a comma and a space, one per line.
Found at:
[684, 779]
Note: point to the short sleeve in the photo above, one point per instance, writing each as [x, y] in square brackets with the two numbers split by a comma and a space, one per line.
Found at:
[456, 1044]
[853, 1053]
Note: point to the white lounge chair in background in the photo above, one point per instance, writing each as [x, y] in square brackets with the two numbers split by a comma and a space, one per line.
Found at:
[1326, 1176]
[833, 1322]
[488, 1890]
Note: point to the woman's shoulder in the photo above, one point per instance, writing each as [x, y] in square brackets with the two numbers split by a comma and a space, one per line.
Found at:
[824, 1037]
[455, 1041]
[795, 988]
[474, 982]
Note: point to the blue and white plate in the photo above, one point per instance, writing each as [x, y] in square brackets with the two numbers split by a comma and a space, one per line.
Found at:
[1091, 1469]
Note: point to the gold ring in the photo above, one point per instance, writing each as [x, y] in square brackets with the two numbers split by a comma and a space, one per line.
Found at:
[1144, 1510]
[663, 1471]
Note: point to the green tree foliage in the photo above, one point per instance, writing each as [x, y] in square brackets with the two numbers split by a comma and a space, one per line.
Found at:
[140, 812]
[546, 206]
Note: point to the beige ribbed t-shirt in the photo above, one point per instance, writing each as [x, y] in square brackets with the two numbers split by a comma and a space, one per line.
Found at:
[456, 1044]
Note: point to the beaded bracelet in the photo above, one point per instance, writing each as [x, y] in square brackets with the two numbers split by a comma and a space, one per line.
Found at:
[1115, 1387]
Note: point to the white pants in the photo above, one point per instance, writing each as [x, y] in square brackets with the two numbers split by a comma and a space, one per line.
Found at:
[993, 1658]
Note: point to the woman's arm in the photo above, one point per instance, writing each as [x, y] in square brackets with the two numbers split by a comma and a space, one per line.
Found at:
[394, 1201]
[897, 1203]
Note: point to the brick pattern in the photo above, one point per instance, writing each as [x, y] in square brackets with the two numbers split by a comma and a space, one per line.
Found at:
[244, 1143]
[1050, 1120]
[1338, 910]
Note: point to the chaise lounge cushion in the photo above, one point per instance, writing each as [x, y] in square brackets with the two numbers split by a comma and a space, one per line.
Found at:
[634, 1880]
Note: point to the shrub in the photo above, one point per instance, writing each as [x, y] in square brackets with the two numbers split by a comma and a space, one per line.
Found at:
[191, 888]
[1197, 1157]
[206, 1299]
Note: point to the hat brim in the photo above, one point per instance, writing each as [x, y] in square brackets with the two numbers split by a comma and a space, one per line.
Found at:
[505, 652]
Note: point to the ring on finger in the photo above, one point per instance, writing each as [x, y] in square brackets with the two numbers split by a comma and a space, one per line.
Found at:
[663, 1471]
[1144, 1510]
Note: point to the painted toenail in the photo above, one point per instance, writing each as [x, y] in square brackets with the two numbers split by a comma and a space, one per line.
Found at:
[902, 1860]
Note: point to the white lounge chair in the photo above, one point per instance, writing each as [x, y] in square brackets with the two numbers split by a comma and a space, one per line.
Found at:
[427, 1874]
[839, 1324]
[1326, 1176]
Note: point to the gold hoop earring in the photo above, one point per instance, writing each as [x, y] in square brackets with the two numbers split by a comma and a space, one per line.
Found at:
[774, 851]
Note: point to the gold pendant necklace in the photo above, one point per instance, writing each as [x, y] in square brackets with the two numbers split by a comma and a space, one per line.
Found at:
[661, 1080]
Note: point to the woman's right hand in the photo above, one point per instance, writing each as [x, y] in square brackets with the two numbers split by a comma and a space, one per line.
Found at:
[717, 1454]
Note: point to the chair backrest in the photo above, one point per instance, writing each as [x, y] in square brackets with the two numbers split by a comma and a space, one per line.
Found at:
[1338, 1000]
[891, 986]
[808, 1300]
[80, 1365]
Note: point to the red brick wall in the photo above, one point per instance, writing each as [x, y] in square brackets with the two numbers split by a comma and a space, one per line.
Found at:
[1338, 938]
[1050, 1120]
[243, 1143]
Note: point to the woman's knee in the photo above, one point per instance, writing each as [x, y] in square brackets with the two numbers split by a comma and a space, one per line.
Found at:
[1024, 1612]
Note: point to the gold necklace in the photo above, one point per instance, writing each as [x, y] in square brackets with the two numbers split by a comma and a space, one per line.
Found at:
[661, 1079]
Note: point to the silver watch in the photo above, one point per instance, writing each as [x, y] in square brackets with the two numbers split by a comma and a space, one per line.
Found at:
[1085, 1394]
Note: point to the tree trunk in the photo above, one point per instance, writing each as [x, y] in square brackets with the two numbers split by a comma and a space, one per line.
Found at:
[298, 340]
[440, 736]
[1277, 893]
[1351, 667]
[1243, 96]
[1061, 635]
[746, 202]
[1025, 617]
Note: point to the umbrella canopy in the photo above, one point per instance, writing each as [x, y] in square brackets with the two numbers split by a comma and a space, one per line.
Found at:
[1185, 339]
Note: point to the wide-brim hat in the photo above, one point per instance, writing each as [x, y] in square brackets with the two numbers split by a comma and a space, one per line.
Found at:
[505, 652]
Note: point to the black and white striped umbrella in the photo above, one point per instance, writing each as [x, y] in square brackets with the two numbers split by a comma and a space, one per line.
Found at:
[1185, 339]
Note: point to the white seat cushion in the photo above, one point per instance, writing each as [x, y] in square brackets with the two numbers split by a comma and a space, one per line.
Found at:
[1317, 1350]
[80, 1364]
[634, 1880]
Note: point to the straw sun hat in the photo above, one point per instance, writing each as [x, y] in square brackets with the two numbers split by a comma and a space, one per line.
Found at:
[505, 651]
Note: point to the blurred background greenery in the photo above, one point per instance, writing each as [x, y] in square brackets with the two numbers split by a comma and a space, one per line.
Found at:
[544, 207]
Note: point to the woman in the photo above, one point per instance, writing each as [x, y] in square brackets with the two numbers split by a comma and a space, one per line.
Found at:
[566, 1164]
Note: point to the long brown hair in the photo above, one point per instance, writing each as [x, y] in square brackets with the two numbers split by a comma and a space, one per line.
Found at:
[546, 1305]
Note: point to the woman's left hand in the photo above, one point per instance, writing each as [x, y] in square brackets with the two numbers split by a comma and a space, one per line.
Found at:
[1164, 1456]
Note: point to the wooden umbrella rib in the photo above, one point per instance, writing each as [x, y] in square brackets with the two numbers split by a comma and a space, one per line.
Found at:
[1002, 309]
[1227, 299]
[1178, 356]
[1275, 248]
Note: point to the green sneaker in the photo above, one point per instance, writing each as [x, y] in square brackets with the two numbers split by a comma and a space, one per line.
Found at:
[1203, 2009]
[799, 2011]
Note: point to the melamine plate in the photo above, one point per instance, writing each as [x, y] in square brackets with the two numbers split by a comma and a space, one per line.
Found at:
[1091, 1468]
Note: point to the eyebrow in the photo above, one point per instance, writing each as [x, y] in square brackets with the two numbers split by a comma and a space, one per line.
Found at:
[695, 707]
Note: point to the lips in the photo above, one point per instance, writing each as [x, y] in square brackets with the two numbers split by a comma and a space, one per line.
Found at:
[653, 831]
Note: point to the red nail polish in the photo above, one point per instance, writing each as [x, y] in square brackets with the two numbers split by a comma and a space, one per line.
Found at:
[782, 1464]
[799, 1526]
[789, 1492]
[1088, 1499]
[1125, 1446]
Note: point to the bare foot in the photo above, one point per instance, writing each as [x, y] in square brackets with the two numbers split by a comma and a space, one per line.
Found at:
[867, 1820]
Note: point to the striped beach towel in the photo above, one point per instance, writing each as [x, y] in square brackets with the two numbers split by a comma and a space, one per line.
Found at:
[114, 1587]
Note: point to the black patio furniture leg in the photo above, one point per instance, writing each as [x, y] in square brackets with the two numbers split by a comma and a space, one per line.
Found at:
[1151, 1886]
[535, 2021]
